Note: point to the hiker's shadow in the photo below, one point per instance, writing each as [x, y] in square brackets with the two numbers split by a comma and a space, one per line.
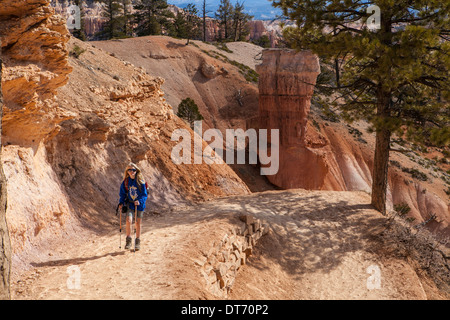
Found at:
[74, 261]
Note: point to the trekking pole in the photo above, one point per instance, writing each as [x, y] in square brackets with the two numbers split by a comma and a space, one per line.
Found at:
[135, 225]
[120, 223]
[120, 228]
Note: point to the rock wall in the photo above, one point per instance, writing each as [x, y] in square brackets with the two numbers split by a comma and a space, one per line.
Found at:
[220, 265]
[33, 42]
[93, 19]
[5, 243]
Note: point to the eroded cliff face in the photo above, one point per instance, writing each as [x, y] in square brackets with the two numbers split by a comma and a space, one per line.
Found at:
[33, 43]
[5, 243]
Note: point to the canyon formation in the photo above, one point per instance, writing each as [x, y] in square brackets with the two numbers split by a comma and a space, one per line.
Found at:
[76, 114]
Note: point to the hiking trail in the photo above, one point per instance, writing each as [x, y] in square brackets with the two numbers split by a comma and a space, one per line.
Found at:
[322, 245]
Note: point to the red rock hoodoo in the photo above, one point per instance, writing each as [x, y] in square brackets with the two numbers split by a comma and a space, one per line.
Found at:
[286, 85]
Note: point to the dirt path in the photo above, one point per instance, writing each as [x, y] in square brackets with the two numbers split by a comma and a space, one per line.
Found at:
[322, 245]
[107, 272]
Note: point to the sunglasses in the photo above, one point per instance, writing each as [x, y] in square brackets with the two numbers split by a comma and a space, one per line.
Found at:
[133, 170]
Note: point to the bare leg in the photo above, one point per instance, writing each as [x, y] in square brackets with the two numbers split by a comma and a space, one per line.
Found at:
[138, 227]
[128, 225]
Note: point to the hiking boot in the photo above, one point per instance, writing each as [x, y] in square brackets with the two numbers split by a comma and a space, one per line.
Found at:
[137, 244]
[128, 244]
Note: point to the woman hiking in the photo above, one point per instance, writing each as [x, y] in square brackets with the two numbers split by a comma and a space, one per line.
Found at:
[133, 194]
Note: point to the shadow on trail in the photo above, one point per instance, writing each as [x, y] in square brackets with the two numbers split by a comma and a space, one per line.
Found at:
[310, 232]
[74, 261]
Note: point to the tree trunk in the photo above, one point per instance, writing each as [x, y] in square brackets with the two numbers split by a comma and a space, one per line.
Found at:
[125, 17]
[204, 20]
[336, 69]
[381, 158]
[5, 246]
[226, 28]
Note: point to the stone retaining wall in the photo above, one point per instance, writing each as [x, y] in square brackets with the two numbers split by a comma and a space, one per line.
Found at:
[220, 265]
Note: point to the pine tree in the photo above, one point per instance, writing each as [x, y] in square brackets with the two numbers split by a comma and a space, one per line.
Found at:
[393, 65]
[192, 22]
[113, 13]
[225, 17]
[179, 27]
[188, 111]
[240, 22]
[150, 16]
[263, 41]
[126, 18]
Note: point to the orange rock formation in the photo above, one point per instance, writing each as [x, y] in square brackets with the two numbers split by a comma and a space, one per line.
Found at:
[286, 85]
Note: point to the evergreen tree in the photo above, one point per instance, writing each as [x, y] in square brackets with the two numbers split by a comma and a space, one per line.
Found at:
[225, 17]
[126, 18]
[188, 111]
[240, 22]
[192, 22]
[113, 12]
[150, 16]
[394, 67]
[179, 27]
[263, 41]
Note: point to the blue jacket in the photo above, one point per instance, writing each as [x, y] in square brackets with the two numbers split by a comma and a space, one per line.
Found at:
[134, 193]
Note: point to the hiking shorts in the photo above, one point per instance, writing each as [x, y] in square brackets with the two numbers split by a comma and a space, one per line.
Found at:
[130, 213]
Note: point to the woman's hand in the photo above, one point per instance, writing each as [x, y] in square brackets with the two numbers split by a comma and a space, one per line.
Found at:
[136, 203]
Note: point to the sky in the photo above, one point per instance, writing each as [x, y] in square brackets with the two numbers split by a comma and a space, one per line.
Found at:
[260, 9]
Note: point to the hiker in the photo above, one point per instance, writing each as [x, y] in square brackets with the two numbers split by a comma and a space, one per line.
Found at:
[133, 192]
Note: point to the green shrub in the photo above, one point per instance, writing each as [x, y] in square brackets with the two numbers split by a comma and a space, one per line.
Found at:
[188, 111]
[416, 174]
[77, 51]
[402, 209]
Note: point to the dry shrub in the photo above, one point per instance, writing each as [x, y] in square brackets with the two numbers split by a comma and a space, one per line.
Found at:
[430, 253]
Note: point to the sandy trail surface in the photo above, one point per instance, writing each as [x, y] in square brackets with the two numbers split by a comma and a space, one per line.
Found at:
[322, 245]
